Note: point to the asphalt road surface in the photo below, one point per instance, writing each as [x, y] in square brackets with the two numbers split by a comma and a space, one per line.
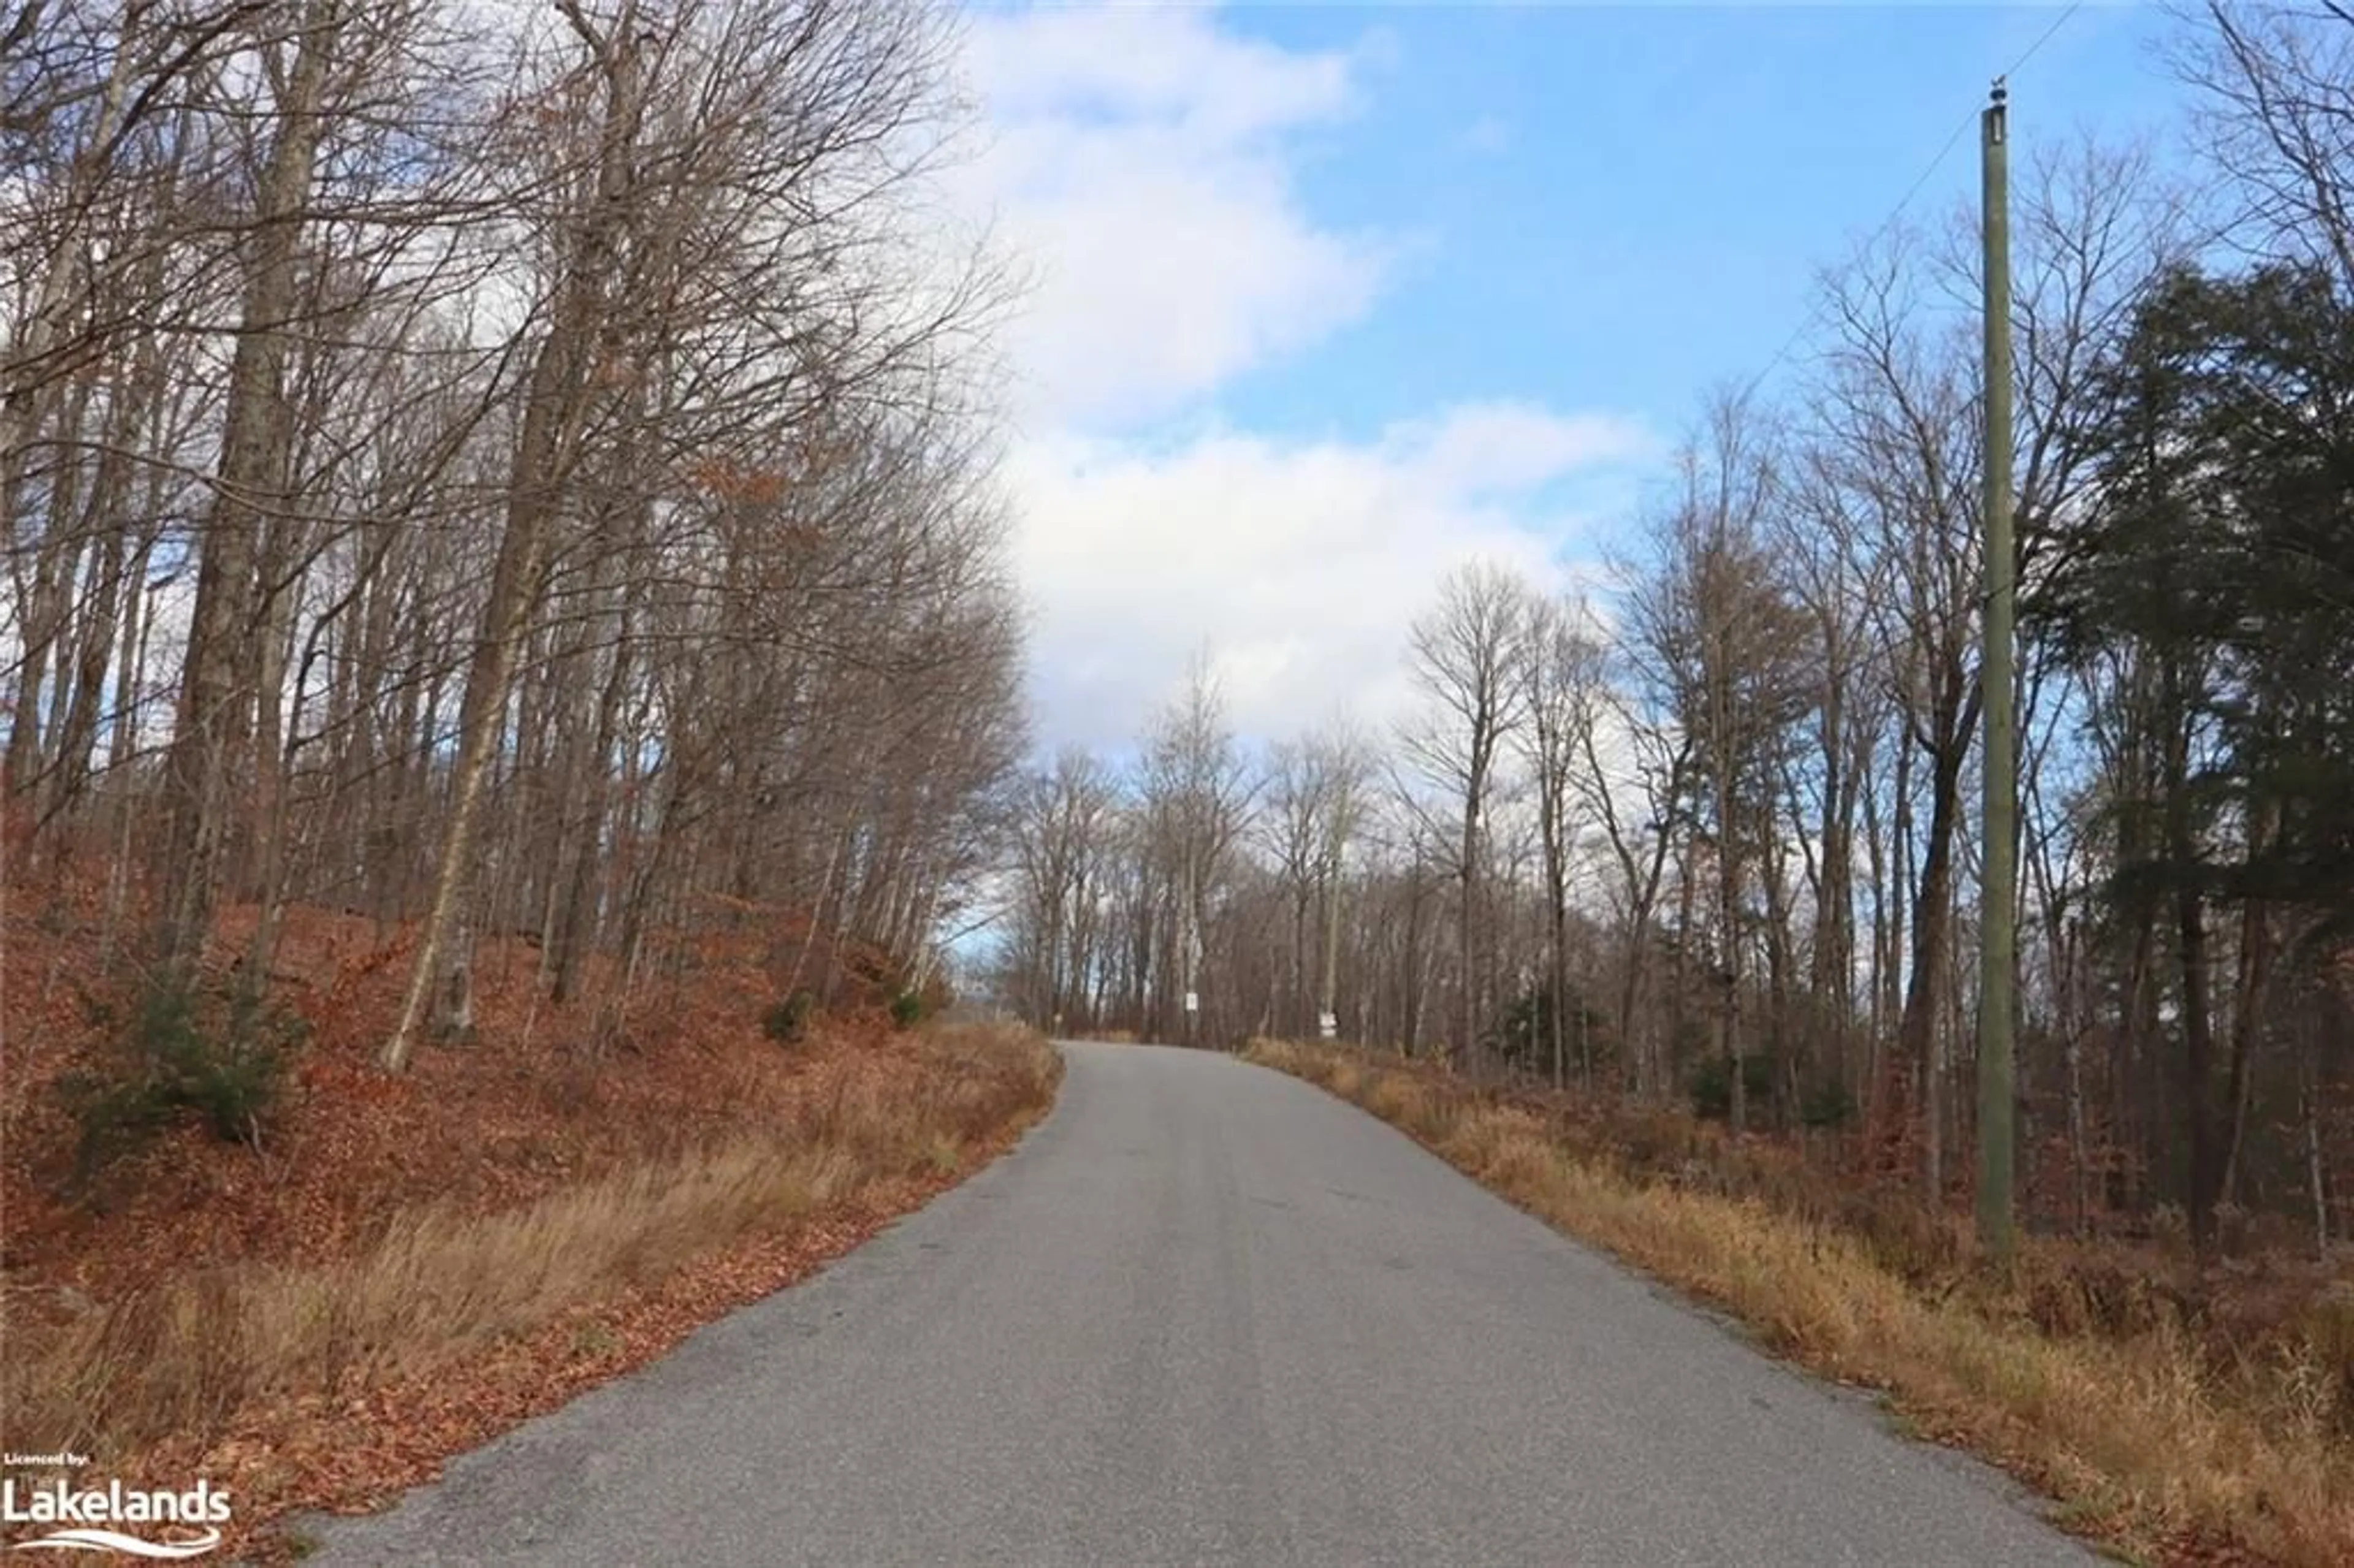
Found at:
[1207, 1314]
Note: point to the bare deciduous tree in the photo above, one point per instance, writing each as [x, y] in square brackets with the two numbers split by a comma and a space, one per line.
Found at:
[1466, 656]
[1562, 669]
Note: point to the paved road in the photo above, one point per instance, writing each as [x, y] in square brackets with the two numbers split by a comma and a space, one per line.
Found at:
[1207, 1314]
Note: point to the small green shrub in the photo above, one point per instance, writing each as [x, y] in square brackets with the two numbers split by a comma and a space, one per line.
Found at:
[112, 1117]
[1522, 1034]
[787, 1017]
[223, 1056]
[1827, 1106]
[907, 1010]
[1711, 1088]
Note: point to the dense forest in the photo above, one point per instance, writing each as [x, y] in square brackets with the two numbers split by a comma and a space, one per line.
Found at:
[1704, 826]
[496, 472]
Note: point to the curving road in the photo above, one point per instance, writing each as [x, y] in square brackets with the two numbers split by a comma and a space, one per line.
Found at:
[1207, 1314]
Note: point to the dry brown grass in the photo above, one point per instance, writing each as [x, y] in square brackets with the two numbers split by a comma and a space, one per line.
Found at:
[2146, 1442]
[186, 1354]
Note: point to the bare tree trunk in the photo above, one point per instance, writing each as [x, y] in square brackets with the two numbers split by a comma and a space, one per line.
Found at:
[1557, 946]
[1932, 916]
[2317, 1181]
[21, 408]
[119, 750]
[268, 872]
[2247, 1025]
[2199, 1065]
[1728, 891]
[545, 455]
[1778, 1052]
[78, 732]
[1331, 984]
[1679, 971]
[212, 738]
[1877, 1109]
[571, 925]
[2079, 1151]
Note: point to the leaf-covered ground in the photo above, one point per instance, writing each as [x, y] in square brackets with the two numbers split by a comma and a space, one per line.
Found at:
[111, 1279]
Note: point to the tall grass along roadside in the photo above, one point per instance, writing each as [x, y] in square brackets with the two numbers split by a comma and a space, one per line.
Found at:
[184, 1356]
[2147, 1444]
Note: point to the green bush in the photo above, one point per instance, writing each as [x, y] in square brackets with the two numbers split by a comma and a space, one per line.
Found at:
[220, 1055]
[1522, 1032]
[1824, 1105]
[1827, 1106]
[1711, 1088]
[787, 1017]
[907, 1010]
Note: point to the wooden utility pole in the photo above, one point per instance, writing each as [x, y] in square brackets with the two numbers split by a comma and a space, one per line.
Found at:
[1998, 887]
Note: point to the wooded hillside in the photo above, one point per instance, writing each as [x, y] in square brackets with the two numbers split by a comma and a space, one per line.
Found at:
[518, 472]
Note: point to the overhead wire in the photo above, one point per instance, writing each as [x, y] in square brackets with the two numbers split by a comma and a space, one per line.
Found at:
[1880, 232]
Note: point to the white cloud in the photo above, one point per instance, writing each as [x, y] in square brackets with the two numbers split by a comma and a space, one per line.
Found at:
[1141, 166]
[1300, 565]
[1488, 135]
[1498, 448]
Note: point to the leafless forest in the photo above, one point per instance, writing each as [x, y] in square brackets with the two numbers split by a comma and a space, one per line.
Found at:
[528, 472]
[1704, 830]
[514, 699]
[501, 470]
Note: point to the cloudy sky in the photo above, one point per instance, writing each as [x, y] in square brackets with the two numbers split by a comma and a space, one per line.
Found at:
[1328, 298]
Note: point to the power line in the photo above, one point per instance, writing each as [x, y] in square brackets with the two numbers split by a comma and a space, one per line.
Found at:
[2057, 23]
[1813, 313]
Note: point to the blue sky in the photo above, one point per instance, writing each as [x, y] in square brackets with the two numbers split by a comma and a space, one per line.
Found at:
[1622, 202]
[1329, 298]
